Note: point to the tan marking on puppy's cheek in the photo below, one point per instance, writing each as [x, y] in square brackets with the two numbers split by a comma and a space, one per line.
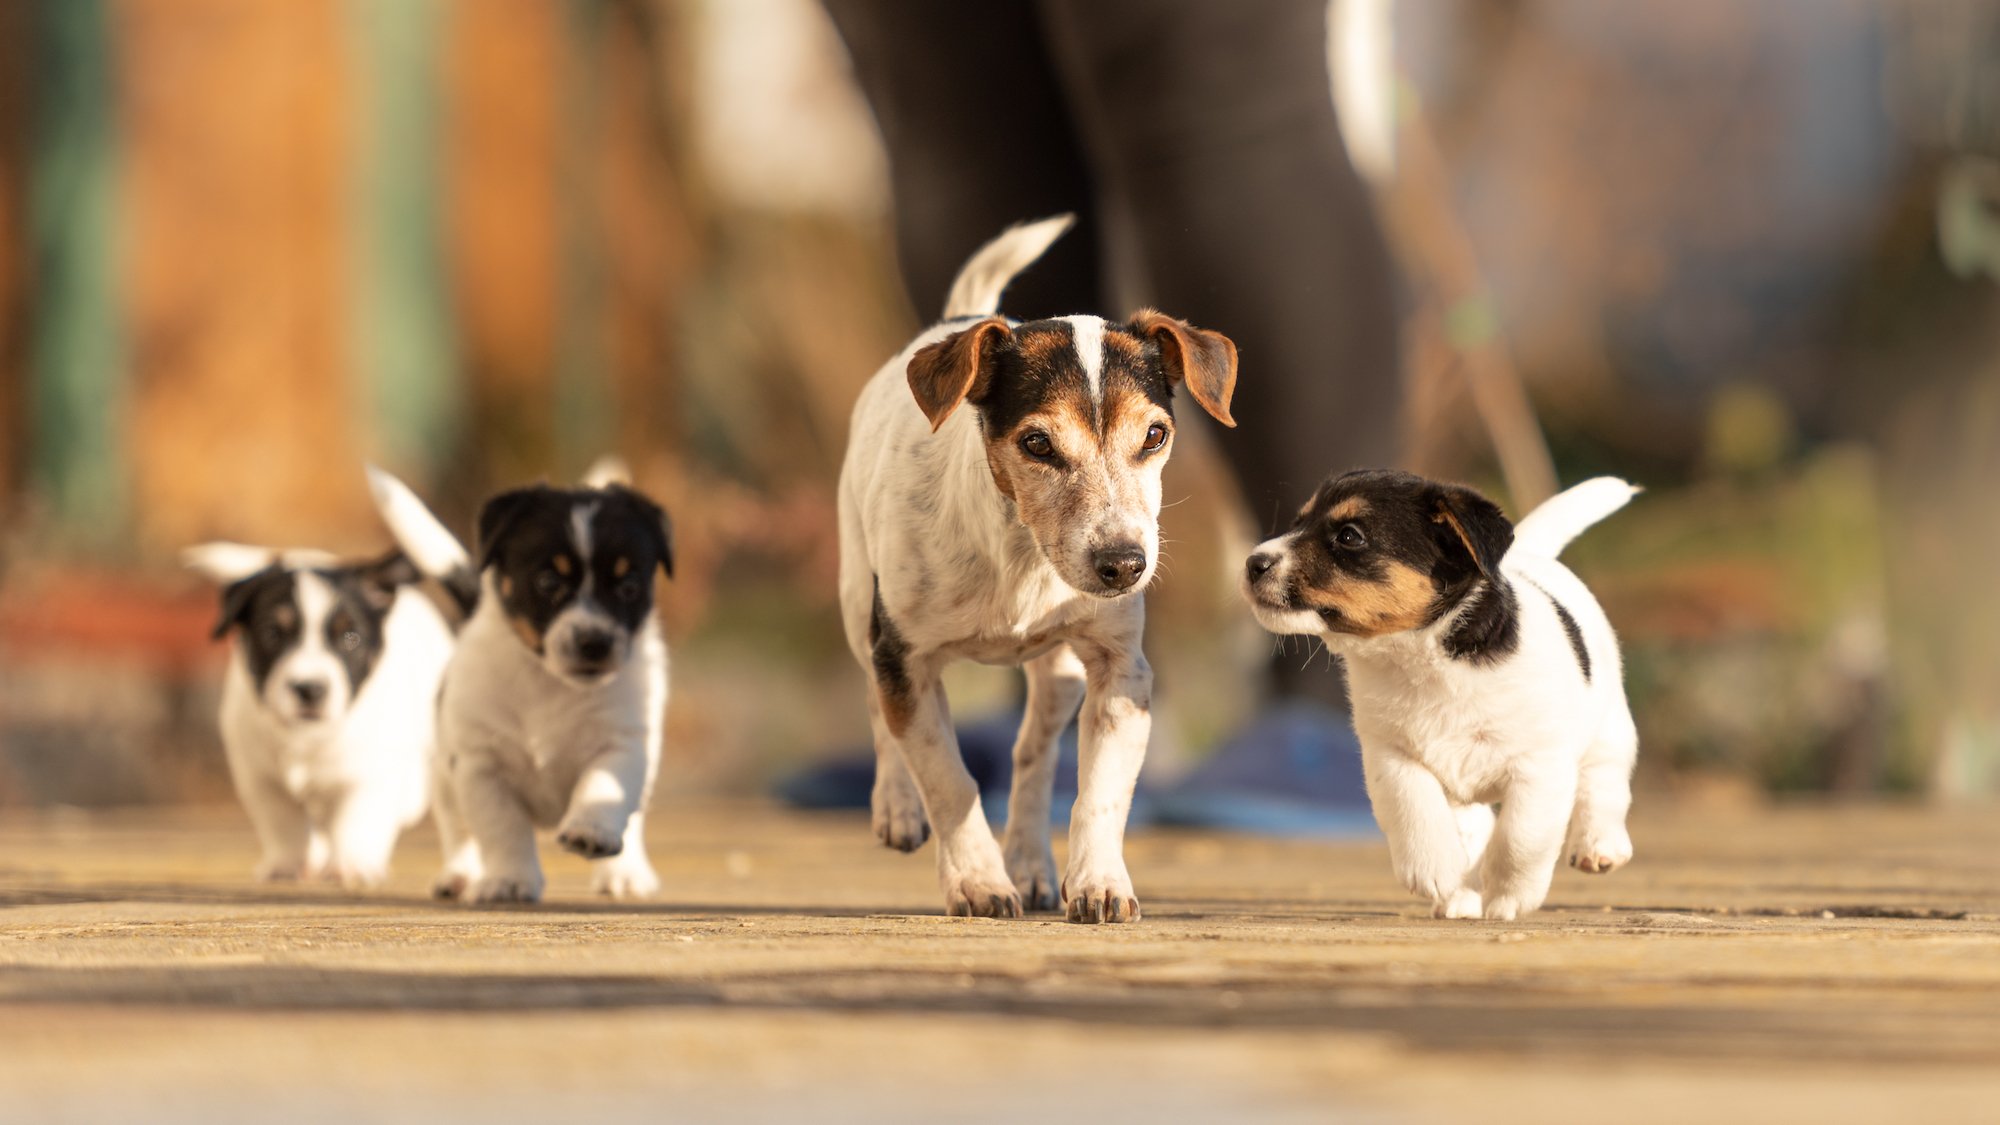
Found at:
[526, 631]
[563, 566]
[621, 567]
[506, 586]
[1397, 603]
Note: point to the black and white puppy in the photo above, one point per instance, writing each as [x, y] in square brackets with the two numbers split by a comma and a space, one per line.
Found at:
[553, 705]
[1482, 674]
[327, 704]
[1000, 502]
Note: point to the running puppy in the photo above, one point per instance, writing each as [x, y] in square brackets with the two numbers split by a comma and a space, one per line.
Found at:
[553, 705]
[1482, 673]
[327, 716]
[1000, 503]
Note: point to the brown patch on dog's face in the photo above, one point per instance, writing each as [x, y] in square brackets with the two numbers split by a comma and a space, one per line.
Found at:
[1376, 552]
[1078, 423]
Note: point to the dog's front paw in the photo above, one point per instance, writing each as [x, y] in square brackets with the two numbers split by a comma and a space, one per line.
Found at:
[627, 876]
[521, 887]
[1433, 884]
[898, 812]
[1032, 867]
[1601, 851]
[355, 876]
[591, 839]
[280, 869]
[1506, 908]
[1464, 903]
[1096, 897]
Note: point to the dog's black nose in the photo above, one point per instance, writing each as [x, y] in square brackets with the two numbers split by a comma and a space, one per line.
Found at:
[1119, 567]
[1259, 565]
[593, 645]
[311, 693]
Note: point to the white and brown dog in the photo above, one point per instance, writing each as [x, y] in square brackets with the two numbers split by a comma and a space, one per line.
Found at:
[552, 709]
[1019, 530]
[1482, 673]
[327, 704]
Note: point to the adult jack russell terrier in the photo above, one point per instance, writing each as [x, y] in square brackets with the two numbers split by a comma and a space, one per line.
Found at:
[1482, 673]
[1000, 502]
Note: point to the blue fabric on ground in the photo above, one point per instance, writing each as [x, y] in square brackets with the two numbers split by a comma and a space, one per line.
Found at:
[1295, 771]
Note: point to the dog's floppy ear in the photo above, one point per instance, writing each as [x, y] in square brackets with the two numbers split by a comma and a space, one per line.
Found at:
[1205, 361]
[946, 373]
[654, 519]
[1474, 524]
[236, 601]
[498, 515]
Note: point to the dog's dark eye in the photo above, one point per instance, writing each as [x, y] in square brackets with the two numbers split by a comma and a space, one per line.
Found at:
[628, 590]
[1156, 436]
[1036, 444]
[549, 584]
[271, 635]
[1351, 537]
[349, 641]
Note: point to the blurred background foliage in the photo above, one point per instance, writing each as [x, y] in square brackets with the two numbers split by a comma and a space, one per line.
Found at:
[1745, 254]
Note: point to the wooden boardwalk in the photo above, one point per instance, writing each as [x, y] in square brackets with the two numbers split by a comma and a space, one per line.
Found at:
[1822, 964]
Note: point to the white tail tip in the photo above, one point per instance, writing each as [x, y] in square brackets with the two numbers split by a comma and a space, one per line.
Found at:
[435, 550]
[976, 291]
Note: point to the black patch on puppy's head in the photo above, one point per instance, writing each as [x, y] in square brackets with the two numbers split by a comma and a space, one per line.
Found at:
[1377, 551]
[551, 547]
[269, 614]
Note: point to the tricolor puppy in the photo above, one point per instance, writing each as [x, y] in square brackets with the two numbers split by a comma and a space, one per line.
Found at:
[1000, 503]
[327, 704]
[1482, 674]
[552, 708]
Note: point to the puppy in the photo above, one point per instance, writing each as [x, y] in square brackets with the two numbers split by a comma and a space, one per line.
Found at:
[327, 704]
[553, 704]
[1482, 674]
[1000, 502]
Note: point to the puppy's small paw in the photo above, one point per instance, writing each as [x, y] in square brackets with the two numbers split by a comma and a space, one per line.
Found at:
[976, 897]
[1464, 903]
[506, 888]
[1033, 870]
[451, 884]
[1432, 885]
[591, 840]
[625, 877]
[282, 869]
[1098, 898]
[357, 876]
[1505, 908]
[1601, 852]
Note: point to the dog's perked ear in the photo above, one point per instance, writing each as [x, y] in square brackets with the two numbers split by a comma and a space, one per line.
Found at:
[1202, 360]
[499, 514]
[236, 599]
[654, 519]
[949, 372]
[1474, 525]
[381, 578]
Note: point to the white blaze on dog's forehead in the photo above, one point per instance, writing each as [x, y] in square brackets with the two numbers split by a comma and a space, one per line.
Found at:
[316, 600]
[580, 518]
[1088, 334]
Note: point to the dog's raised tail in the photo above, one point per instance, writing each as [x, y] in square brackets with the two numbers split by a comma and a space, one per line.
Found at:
[977, 289]
[1568, 514]
[428, 543]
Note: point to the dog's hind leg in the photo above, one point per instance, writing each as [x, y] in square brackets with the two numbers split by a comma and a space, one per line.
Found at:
[1598, 841]
[896, 808]
[1055, 689]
